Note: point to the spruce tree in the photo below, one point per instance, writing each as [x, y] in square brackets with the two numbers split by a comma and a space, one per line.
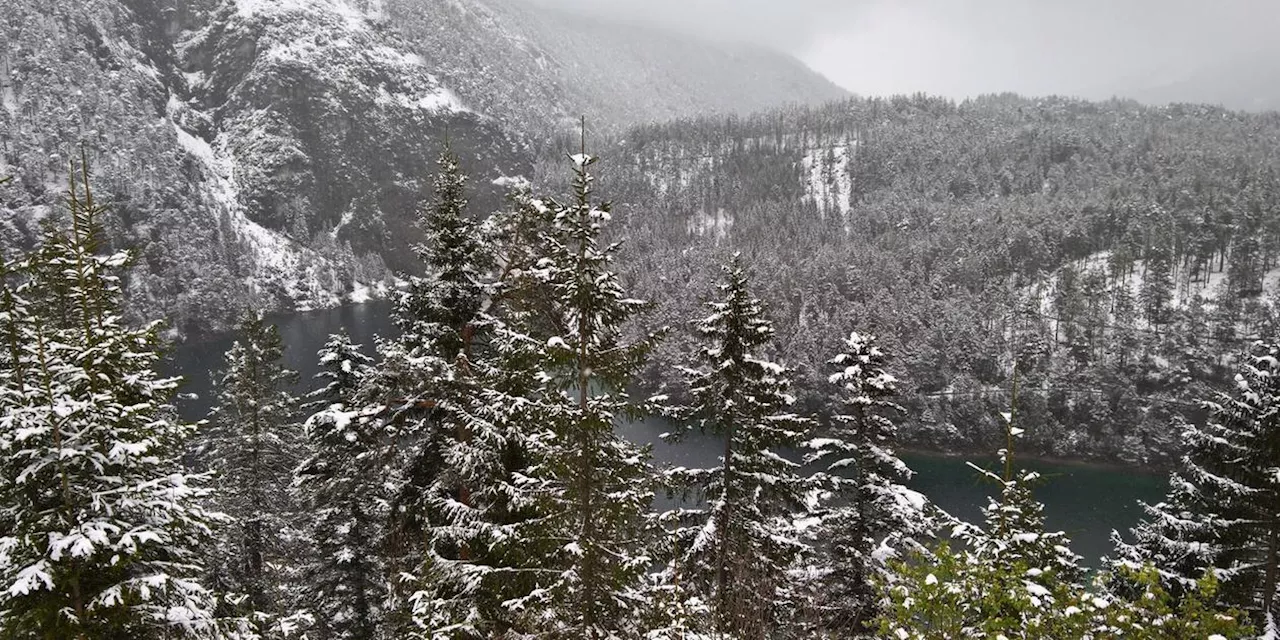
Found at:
[416, 370]
[1156, 293]
[738, 545]
[439, 310]
[461, 382]
[340, 486]
[1015, 533]
[876, 517]
[1220, 514]
[253, 446]
[593, 487]
[101, 527]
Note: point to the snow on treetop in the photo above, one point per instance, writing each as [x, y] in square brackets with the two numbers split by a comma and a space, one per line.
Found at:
[515, 183]
[252, 8]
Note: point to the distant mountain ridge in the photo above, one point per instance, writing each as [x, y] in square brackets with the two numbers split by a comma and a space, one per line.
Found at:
[1251, 85]
[1248, 82]
[273, 152]
[538, 68]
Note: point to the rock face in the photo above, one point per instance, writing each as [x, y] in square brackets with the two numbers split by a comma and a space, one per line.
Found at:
[254, 153]
[273, 152]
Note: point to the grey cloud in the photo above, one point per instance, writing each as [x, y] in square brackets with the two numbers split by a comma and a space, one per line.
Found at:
[1094, 48]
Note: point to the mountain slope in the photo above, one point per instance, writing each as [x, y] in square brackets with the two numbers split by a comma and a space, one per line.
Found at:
[254, 153]
[538, 68]
[272, 153]
[1118, 254]
[333, 123]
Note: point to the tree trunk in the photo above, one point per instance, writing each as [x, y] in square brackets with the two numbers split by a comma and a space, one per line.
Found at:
[1269, 582]
[722, 572]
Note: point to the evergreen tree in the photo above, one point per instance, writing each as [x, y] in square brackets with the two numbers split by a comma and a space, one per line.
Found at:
[254, 445]
[417, 374]
[877, 516]
[741, 542]
[949, 594]
[1016, 534]
[1014, 579]
[100, 525]
[593, 487]
[1156, 293]
[439, 310]
[340, 486]
[1220, 514]
[1125, 339]
[460, 381]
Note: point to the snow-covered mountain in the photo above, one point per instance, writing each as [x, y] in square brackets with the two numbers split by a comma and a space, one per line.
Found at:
[536, 68]
[273, 152]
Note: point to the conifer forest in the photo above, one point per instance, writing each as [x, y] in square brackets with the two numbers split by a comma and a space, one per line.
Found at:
[665, 325]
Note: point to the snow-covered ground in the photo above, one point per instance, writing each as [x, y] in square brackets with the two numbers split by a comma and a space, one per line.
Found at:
[716, 225]
[1207, 289]
[829, 184]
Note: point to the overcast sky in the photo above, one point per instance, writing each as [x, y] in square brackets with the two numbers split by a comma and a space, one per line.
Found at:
[960, 48]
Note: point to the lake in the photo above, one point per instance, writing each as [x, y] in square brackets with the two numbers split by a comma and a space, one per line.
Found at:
[1086, 501]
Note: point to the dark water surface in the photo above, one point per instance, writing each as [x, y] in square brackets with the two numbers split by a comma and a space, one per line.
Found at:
[1086, 501]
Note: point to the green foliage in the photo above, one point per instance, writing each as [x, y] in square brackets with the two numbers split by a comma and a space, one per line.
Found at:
[102, 530]
[1014, 580]
[946, 594]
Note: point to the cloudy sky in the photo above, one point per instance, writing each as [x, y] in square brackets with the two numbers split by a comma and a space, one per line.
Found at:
[1092, 48]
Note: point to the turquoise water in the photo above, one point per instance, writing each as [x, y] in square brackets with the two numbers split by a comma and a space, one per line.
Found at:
[1085, 501]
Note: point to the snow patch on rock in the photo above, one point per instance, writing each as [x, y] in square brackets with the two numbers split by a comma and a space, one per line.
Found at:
[277, 262]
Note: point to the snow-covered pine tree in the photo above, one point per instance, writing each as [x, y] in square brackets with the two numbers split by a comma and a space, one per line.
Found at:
[340, 485]
[439, 310]
[416, 370]
[454, 390]
[476, 556]
[1222, 512]
[875, 516]
[593, 487]
[1156, 294]
[101, 528]
[1015, 537]
[253, 445]
[739, 545]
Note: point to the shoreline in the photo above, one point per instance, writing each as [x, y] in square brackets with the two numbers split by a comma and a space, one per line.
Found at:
[978, 458]
[209, 336]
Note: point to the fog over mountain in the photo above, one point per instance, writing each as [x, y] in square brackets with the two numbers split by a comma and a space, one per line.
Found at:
[1152, 50]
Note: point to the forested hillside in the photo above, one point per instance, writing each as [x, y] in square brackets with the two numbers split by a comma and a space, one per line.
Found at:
[468, 479]
[257, 153]
[270, 154]
[1118, 254]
